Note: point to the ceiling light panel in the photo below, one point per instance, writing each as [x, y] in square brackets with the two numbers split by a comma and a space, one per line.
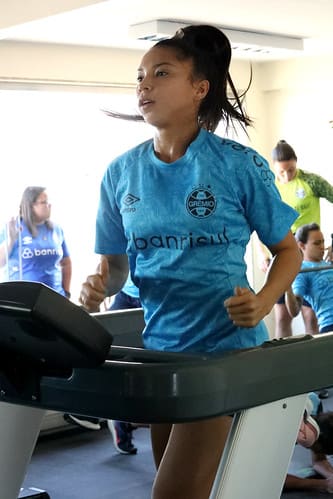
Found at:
[248, 42]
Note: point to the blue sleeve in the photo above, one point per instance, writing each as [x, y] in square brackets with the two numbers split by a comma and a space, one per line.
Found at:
[264, 209]
[110, 236]
[299, 285]
[60, 234]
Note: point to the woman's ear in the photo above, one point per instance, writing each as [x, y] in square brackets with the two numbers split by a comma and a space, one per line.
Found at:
[301, 246]
[202, 89]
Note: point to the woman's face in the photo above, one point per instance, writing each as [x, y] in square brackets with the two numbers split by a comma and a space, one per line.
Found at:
[42, 208]
[314, 249]
[285, 170]
[166, 91]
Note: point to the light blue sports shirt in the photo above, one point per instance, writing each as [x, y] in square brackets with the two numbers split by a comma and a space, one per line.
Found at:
[130, 288]
[317, 289]
[185, 227]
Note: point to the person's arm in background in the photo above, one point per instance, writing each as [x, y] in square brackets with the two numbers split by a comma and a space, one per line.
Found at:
[321, 188]
[110, 278]
[264, 256]
[246, 308]
[293, 302]
[4, 251]
[7, 245]
[66, 270]
[293, 482]
[321, 465]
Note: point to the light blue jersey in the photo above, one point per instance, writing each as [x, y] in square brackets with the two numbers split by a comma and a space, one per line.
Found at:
[185, 227]
[317, 289]
[130, 288]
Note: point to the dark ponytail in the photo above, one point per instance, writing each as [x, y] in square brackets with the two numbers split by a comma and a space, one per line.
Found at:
[283, 152]
[210, 51]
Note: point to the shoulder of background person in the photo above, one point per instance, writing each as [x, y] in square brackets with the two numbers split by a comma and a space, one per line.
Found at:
[321, 187]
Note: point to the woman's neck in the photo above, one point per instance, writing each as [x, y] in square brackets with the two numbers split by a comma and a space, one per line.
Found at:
[38, 221]
[170, 145]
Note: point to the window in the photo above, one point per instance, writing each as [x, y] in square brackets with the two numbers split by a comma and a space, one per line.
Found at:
[63, 141]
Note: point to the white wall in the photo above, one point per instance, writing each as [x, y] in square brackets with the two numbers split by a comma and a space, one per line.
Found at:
[68, 63]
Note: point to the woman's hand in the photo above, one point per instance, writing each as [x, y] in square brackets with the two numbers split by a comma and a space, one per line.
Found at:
[94, 289]
[329, 485]
[7, 245]
[245, 308]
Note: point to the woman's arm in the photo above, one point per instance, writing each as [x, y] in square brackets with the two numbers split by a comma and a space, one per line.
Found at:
[246, 308]
[321, 484]
[285, 267]
[321, 465]
[110, 277]
[4, 253]
[320, 186]
[293, 302]
[7, 245]
[263, 254]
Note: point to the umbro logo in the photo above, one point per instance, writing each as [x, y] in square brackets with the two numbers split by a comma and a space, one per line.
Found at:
[130, 199]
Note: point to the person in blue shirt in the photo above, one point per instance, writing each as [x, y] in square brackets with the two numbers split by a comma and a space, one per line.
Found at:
[179, 210]
[33, 248]
[313, 285]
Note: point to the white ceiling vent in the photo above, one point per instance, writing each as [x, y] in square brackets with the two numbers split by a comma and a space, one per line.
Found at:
[247, 42]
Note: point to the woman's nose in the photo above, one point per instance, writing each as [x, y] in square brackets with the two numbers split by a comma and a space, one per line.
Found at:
[144, 84]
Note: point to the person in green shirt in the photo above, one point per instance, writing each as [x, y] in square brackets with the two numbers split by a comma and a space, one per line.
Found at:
[302, 191]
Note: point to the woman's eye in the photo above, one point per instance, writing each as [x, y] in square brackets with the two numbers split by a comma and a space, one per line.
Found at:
[161, 73]
[139, 78]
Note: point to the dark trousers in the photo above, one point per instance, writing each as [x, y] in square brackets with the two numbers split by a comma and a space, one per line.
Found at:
[122, 301]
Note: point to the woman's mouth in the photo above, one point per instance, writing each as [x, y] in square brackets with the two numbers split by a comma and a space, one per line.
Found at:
[144, 103]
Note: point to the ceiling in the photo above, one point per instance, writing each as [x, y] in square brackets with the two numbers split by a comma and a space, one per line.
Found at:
[106, 23]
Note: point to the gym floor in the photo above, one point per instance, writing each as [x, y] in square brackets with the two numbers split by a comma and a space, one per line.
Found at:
[82, 464]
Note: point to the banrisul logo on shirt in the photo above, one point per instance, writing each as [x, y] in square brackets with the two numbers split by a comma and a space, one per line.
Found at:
[201, 202]
[30, 253]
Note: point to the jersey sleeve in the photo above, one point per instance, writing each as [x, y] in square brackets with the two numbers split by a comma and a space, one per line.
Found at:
[321, 188]
[65, 249]
[299, 285]
[264, 209]
[110, 235]
[59, 233]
